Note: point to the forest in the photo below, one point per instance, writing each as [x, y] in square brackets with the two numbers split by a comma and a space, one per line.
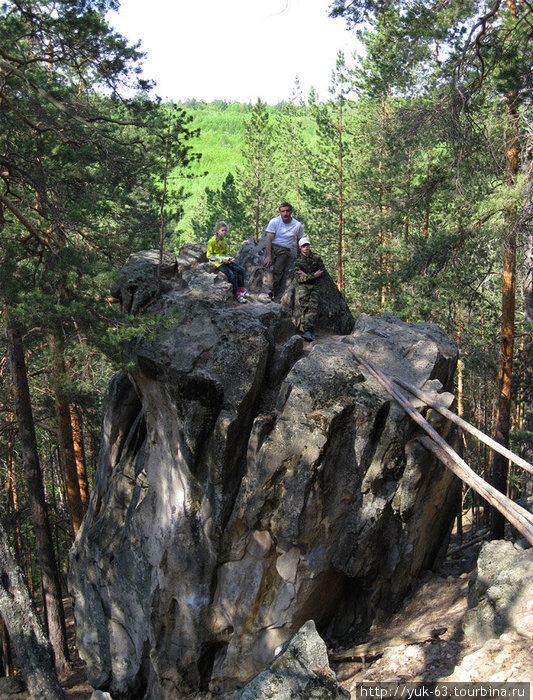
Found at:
[413, 180]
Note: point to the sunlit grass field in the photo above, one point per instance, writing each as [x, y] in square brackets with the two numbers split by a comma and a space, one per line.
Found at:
[220, 142]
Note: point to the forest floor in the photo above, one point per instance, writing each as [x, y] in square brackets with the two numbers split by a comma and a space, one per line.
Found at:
[439, 600]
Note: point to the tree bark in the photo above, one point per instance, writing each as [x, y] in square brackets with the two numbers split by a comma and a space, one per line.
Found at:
[41, 525]
[499, 464]
[66, 440]
[33, 650]
[386, 261]
[408, 196]
[79, 453]
[527, 352]
[7, 657]
[340, 224]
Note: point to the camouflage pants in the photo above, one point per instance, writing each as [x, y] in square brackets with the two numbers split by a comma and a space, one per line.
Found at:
[308, 297]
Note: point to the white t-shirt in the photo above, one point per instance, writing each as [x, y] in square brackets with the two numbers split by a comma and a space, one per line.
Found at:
[285, 234]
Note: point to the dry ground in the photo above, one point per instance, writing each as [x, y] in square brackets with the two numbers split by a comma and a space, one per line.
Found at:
[440, 601]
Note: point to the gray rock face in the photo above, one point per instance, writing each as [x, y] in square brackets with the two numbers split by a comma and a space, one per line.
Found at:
[12, 685]
[500, 619]
[247, 484]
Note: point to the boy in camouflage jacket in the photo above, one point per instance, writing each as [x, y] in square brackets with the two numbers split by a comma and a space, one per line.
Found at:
[308, 268]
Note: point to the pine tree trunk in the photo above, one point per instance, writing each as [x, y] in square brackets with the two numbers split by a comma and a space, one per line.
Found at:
[525, 422]
[33, 650]
[385, 198]
[408, 197]
[257, 203]
[12, 505]
[527, 353]
[381, 259]
[296, 161]
[499, 464]
[7, 657]
[340, 262]
[79, 453]
[66, 440]
[34, 484]
[460, 413]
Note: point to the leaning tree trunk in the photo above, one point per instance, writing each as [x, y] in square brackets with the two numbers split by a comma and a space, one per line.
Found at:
[53, 602]
[33, 650]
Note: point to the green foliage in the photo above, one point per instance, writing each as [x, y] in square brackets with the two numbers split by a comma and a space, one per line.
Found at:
[221, 133]
[82, 186]
[82, 173]
[223, 204]
[221, 166]
[257, 173]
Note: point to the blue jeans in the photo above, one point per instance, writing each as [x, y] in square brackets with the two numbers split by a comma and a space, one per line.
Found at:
[235, 275]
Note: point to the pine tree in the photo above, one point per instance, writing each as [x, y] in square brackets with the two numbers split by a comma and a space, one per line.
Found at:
[80, 185]
[256, 176]
[223, 204]
[330, 161]
[477, 69]
[290, 156]
[52, 597]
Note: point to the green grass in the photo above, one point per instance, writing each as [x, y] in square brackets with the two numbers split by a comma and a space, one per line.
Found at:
[220, 142]
[222, 130]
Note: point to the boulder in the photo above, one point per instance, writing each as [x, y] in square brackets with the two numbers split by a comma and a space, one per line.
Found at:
[247, 484]
[300, 670]
[137, 283]
[501, 593]
[500, 619]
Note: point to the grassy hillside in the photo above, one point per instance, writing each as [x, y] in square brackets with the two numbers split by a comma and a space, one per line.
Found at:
[222, 129]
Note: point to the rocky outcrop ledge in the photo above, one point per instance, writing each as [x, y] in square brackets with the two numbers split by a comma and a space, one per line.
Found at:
[247, 484]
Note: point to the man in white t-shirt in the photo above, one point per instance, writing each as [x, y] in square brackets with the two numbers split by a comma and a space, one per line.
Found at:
[282, 236]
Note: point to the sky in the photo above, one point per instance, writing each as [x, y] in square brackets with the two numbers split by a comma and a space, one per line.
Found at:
[235, 50]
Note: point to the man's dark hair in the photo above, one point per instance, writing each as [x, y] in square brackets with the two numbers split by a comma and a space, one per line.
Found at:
[285, 204]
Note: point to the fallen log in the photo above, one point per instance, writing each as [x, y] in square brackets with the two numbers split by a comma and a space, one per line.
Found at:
[468, 427]
[475, 540]
[515, 514]
[376, 648]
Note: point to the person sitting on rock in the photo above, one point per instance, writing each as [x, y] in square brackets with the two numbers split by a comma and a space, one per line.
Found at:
[218, 254]
[308, 268]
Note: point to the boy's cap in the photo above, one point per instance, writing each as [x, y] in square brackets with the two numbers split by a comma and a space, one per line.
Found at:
[303, 240]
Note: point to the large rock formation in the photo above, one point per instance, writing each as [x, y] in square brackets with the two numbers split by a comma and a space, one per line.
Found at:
[247, 484]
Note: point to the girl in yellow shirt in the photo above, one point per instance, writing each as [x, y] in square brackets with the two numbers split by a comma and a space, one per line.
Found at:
[218, 254]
